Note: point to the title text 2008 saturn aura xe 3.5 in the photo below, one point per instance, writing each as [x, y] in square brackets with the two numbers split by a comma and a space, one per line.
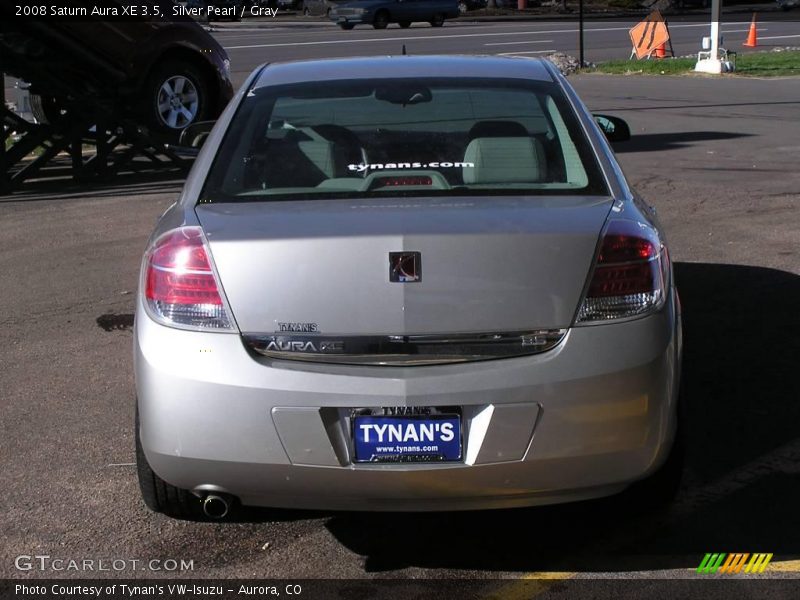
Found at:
[383, 288]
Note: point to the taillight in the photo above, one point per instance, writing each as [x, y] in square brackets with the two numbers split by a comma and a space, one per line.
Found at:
[179, 285]
[629, 276]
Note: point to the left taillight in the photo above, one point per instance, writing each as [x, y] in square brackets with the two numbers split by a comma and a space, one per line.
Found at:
[180, 288]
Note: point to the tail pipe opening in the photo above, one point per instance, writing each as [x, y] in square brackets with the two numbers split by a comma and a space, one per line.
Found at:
[217, 506]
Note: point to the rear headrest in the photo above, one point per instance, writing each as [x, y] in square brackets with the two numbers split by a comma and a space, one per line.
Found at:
[505, 160]
[497, 129]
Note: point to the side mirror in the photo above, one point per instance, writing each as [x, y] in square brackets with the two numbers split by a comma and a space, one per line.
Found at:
[616, 129]
[195, 134]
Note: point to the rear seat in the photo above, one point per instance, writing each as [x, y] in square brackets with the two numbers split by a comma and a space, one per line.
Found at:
[505, 160]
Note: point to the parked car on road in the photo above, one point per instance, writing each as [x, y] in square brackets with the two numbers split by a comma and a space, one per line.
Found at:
[406, 283]
[379, 13]
[318, 7]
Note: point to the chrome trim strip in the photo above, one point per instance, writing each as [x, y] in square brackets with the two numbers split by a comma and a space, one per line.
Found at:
[402, 350]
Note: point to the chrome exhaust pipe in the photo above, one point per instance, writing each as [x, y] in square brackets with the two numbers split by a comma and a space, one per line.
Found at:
[215, 507]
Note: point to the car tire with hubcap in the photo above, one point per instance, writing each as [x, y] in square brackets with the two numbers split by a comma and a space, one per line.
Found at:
[160, 496]
[175, 96]
[381, 20]
[46, 109]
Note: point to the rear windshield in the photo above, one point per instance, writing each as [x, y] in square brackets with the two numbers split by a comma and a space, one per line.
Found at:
[403, 137]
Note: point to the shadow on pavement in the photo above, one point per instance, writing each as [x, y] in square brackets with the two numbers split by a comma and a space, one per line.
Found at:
[653, 142]
[742, 343]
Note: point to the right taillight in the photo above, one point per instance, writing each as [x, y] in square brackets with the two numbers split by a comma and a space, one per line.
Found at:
[629, 275]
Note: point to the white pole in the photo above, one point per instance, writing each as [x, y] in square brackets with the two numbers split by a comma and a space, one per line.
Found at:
[713, 64]
[716, 13]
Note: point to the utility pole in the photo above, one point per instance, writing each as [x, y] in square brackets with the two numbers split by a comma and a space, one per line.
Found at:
[580, 33]
[713, 64]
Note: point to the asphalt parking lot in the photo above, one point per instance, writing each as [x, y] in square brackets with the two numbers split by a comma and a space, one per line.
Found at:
[717, 158]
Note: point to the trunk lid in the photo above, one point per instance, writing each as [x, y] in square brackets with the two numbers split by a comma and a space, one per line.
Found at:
[487, 265]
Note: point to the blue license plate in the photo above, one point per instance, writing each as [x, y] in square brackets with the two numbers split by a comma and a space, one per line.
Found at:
[427, 438]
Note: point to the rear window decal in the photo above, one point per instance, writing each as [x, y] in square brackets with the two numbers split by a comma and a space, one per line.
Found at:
[361, 167]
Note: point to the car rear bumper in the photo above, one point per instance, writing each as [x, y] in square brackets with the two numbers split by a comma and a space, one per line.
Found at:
[580, 421]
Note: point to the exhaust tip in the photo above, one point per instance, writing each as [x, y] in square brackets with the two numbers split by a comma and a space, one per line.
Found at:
[215, 507]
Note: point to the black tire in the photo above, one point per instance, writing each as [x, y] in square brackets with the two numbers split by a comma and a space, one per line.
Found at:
[404, 24]
[46, 109]
[160, 496]
[658, 490]
[153, 95]
[346, 26]
[381, 19]
[438, 20]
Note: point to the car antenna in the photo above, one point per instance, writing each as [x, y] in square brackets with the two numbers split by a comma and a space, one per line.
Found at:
[404, 50]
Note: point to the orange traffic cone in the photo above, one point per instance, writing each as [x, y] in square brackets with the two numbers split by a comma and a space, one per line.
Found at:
[752, 36]
[661, 51]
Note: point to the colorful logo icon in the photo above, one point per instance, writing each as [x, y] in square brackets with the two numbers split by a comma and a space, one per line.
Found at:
[734, 563]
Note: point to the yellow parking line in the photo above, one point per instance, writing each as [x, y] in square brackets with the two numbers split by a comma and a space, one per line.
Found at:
[529, 585]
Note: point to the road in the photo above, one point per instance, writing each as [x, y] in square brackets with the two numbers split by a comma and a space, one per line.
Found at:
[256, 41]
[716, 157]
[252, 43]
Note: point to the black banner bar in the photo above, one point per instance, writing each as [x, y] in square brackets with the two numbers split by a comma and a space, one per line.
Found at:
[708, 588]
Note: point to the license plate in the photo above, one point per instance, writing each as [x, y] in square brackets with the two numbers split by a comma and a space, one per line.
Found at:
[423, 438]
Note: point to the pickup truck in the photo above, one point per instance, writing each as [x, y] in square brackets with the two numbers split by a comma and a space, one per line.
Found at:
[379, 13]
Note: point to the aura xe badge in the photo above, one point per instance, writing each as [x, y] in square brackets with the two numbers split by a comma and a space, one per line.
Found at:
[405, 267]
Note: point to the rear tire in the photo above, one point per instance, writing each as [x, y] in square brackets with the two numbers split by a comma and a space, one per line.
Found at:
[381, 20]
[160, 496]
[191, 90]
[438, 20]
[658, 490]
[46, 109]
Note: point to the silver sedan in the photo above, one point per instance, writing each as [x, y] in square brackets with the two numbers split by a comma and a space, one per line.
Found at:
[406, 283]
